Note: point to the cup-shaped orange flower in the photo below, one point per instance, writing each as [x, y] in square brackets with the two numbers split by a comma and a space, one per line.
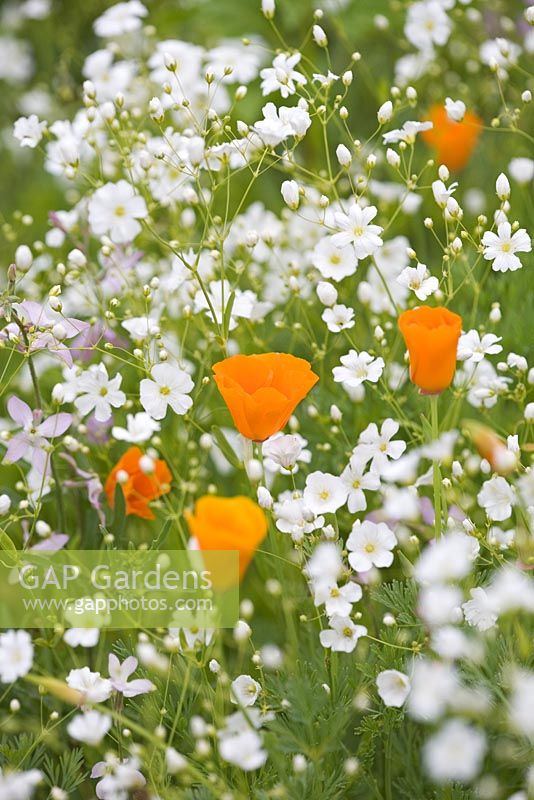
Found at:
[431, 336]
[142, 480]
[452, 141]
[228, 523]
[262, 391]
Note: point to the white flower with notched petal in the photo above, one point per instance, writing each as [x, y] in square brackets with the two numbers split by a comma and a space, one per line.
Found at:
[243, 750]
[337, 599]
[407, 133]
[419, 280]
[497, 497]
[283, 449]
[29, 131]
[393, 687]
[338, 318]
[377, 445]
[19, 785]
[502, 246]
[449, 558]
[356, 479]
[334, 262]
[282, 76]
[114, 209]
[342, 635]
[480, 611]
[99, 393]
[427, 24]
[370, 545]
[120, 18]
[89, 728]
[139, 428]
[244, 690]
[355, 228]
[472, 348]
[170, 386]
[94, 688]
[357, 368]
[324, 493]
[16, 655]
[455, 752]
[455, 109]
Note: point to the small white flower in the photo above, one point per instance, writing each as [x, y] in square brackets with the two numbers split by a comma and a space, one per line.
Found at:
[427, 24]
[139, 428]
[356, 229]
[497, 498]
[120, 18]
[174, 761]
[502, 187]
[343, 155]
[326, 293]
[385, 112]
[114, 209]
[378, 446]
[338, 318]
[243, 750]
[370, 544]
[393, 687]
[94, 688]
[455, 752]
[324, 493]
[283, 449]
[282, 77]
[337, 599]
[16, 655]
[19, 785]
[89, 728]
[99, 393]
[290, 193]
[356, 480]
[472, 348]
[342, 635]
[244, 690]
[334, 262]
[480, 611]
[170, 386]
[357, 368]
[29, 131]
[407, 133]
[522, 170]
[502, 246]
[455, 109]
[419, 280]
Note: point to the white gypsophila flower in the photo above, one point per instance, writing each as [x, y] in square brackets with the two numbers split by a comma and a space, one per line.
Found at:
[440, 604]
[325, 564]
[290, 193]
[442, 193]
[500, 52]
[338, 318]
[243, 750]
[99, 393]
[81, 637]
[455, 752]
[283, 449]
[141, 328]
[510, 590]
[434, 684]
[370, 544]
[324, 493]
[356, 229]
[480, 610]
[472, 348]
[393, 687]
[501, 247]
[19, 785]
[169, 386]
[93, 687]
[175, 762]
[337, 599]
[407, 133]
[244, 690]
[447, 559]
[385, 112]
[419, 280]
[29, 131]
[140, 428]
[282, 77]
[522, 170]
[326, 293]
[89, 728]
[357, 368]
[294, 517]
[502, 187]
[334, 262]
[497, 498]
[115, 209]
[357, 480]
[427, 24]
[455, 109]
[377, 445]
[342, 635]
[120, 18]
[16, 655]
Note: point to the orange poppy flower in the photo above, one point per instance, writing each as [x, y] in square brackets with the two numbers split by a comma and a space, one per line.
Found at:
[262, 391]
[139, 486]
[228, 523]
[431, 336]
[453, 141]
[491, 447]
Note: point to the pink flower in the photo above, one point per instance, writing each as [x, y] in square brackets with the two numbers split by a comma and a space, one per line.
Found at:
[46, 329]
[32, 442]
[119, 674]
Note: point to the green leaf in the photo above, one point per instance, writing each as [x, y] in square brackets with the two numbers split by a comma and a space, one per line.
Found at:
[11, 557]
[225, 447]
[119, 515]
[228, 314]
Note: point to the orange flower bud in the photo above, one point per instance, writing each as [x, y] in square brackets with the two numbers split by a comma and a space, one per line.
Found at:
[431, 336]
[228, 523]
[262, 391]
[453, 142]
[491, 447]
[139, 486]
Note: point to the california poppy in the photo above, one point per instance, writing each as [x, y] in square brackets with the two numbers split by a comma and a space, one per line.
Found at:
[262, 391]
[491, 447]
[139, 486]
[228, 523]
[431, 336]
[453, 141]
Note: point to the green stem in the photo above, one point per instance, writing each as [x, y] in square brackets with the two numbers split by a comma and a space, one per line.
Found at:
[434, 399]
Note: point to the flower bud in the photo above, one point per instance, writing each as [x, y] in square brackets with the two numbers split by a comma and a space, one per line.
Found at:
[290, 193]
[385, 112]
[23, 257]
[343, 155]
[326, 293]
